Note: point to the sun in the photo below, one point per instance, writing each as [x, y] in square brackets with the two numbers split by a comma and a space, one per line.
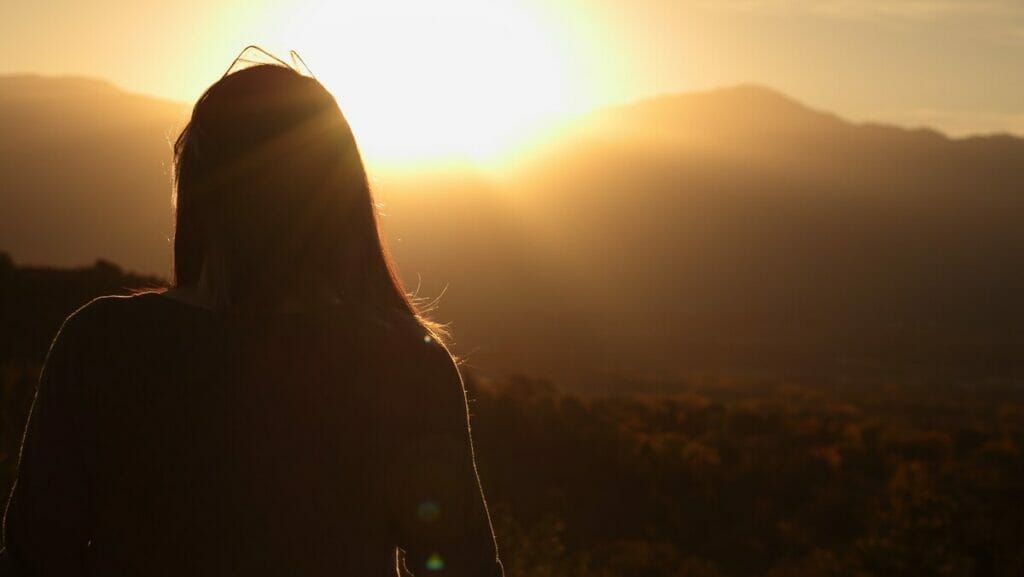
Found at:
[419, 81]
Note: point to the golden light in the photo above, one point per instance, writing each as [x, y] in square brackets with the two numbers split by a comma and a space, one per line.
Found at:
[420, 81]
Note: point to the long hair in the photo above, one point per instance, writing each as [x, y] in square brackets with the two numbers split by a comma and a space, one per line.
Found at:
[272, 200]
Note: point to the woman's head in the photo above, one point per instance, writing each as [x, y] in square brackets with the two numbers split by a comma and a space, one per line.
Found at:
[272, 199]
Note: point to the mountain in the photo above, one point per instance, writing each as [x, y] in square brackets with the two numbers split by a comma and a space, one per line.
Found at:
[86, 172]
[734, 229]
[740, 229]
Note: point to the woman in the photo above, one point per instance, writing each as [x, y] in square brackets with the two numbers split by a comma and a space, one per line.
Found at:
[283, 409]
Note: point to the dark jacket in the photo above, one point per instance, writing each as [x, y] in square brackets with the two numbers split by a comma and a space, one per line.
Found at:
[167, 439]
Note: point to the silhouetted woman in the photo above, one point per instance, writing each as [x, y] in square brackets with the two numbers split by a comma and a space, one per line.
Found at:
[283, 409]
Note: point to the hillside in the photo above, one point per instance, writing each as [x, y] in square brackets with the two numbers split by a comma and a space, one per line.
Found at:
[34, 301]
[731, 230]
[720, 477]
[86, 172]
[738, 229]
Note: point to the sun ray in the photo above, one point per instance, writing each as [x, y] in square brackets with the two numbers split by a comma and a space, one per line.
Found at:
[422, 81]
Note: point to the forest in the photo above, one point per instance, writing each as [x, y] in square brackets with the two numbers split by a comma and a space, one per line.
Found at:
[705, 475]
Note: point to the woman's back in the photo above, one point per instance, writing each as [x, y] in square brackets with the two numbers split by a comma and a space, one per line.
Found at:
[167, 439]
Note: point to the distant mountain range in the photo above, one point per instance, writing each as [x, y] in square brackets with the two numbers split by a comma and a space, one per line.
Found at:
[734, 229]
[85, 172]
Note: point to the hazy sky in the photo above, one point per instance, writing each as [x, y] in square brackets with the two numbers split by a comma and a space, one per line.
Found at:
[953, 65]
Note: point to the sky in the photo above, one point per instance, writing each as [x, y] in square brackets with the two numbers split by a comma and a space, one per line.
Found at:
[477, 73]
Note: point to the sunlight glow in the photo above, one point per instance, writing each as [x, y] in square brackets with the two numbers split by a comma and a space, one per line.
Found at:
[420, 81]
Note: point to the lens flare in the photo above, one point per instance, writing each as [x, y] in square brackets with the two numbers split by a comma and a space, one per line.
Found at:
[434, 562]
[428, 511]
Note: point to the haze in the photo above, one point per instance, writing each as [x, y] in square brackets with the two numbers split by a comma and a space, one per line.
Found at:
[473, 79]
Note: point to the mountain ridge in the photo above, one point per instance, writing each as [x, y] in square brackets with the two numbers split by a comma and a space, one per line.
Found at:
[812, 244]
[751, 91]
[23, 84]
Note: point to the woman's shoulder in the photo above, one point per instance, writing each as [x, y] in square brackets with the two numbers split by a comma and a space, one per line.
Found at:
[407, 347]
[109, 314]
[90, 330]
[105, 309]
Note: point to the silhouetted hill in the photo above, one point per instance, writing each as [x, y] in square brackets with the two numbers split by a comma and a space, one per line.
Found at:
[732, 229]
[34, 301]
[85, 172]
[716, 476]
[739, 229]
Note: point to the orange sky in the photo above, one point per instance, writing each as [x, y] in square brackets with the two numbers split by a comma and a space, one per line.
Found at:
[484, 72]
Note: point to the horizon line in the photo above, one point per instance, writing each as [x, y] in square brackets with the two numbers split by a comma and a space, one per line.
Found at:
[624, 104]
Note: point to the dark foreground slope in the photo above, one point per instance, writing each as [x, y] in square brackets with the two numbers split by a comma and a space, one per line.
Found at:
[723, 477]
